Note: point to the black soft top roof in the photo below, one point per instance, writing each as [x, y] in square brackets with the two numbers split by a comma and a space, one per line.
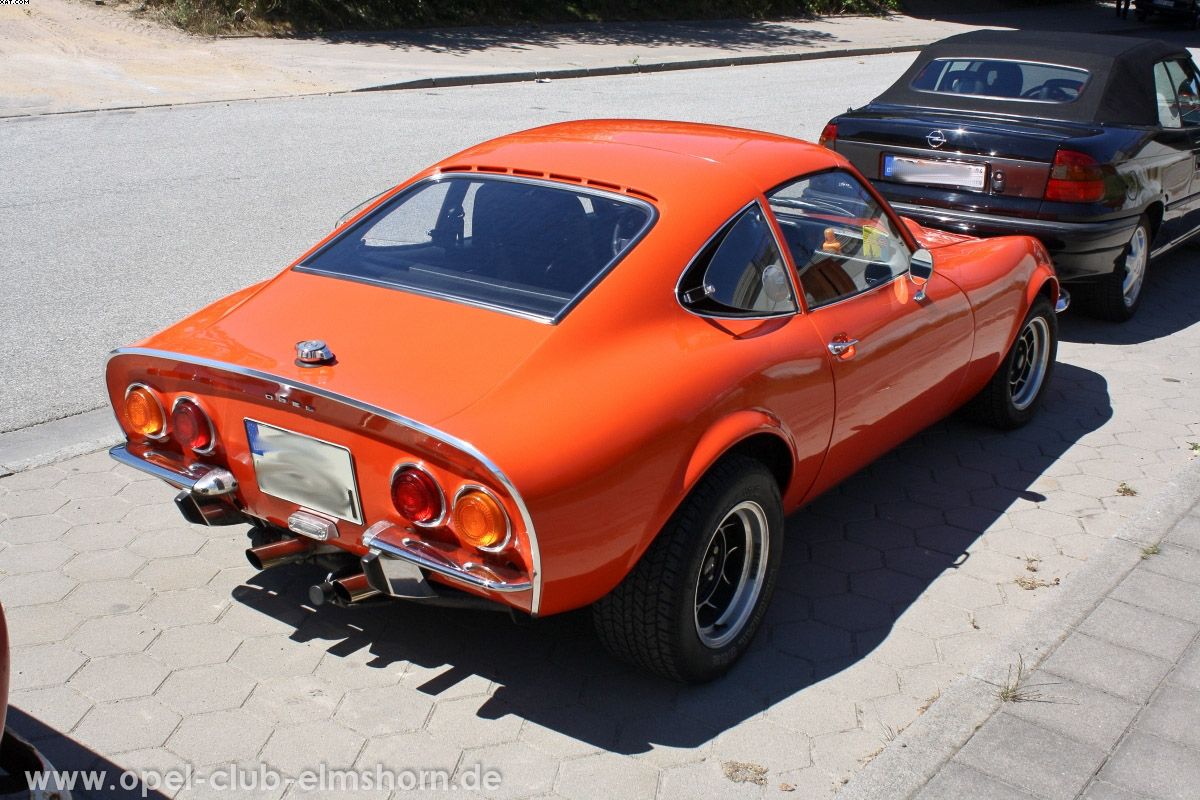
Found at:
[1120, 90]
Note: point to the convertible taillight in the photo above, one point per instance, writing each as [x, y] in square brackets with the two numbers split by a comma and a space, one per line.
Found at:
[144, 412]
[479, 519]
[191, 426]
[416, 495]
[1075, 178]
[828, 136]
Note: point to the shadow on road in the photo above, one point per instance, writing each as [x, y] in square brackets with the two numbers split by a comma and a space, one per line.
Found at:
[738, 35]
[854, 561]
[69, 756]
[1170, 303]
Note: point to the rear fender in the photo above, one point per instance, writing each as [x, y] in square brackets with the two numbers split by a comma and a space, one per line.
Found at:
[723, 435]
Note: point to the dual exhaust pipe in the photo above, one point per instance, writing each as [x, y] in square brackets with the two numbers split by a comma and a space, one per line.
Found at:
[340, 591]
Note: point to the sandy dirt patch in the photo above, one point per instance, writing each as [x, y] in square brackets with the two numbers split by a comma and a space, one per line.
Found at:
[67, 56]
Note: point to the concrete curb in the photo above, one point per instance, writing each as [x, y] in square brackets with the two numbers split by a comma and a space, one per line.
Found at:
[48, 442]
[920, 751]
[632, 69]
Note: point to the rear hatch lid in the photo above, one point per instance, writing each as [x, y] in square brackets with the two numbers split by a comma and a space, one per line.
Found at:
[952, 151]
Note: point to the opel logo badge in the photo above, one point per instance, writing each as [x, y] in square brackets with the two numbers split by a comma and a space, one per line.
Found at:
[936, 139]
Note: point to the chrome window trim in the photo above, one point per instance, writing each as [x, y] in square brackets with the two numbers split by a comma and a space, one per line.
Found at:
[553, 319]
[782, 254]
[433, 433]
[212, 431]
[166, 431]
[1082, 88]
[420, 467]
[496, 548]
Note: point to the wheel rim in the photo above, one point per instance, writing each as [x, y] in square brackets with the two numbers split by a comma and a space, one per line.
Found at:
[1135, 267]
[1030, 359]
[731, 574]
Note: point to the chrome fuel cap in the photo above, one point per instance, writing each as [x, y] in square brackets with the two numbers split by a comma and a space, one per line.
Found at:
[313, 353]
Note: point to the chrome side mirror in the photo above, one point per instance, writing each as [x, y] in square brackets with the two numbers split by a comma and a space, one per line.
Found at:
[920, 270]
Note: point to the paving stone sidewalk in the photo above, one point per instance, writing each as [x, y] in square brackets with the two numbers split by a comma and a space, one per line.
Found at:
[1110, 711]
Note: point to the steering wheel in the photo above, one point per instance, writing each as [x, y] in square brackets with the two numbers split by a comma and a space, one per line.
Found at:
[822, 205]
[1059, 90]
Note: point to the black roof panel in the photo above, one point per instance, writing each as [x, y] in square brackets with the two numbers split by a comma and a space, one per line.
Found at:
[1121, 88]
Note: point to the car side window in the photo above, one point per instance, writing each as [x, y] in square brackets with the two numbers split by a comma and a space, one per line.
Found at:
[1183, 78]
[842, 241]
[1164, 91]
[740, 272]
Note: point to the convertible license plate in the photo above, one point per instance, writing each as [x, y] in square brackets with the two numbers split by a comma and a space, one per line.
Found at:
[304, 470]
[935, 172]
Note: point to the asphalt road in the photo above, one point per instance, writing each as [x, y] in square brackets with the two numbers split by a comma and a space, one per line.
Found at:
[115, 224]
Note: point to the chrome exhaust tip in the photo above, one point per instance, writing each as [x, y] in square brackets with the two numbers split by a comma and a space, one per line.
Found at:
[354, 589]
[272, 554]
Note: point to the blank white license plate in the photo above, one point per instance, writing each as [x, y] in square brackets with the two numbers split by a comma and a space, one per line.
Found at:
[935, 172]
[303, 470]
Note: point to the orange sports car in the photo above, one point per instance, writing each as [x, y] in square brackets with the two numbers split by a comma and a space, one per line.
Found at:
[593, 363]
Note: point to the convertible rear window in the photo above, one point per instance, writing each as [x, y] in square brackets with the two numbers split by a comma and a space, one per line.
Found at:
[526, 247]
[1009, 80]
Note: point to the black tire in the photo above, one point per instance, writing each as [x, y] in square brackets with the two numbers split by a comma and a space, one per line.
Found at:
[1116, 296]
[1014, 393]
[673, 614]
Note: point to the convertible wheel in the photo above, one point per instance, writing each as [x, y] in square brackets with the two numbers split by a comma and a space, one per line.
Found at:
[1116, 296]
[691, 605]
[1015, 391]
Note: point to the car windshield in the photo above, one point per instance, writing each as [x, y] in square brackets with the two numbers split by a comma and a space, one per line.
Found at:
[521, 246]
[1010, 80]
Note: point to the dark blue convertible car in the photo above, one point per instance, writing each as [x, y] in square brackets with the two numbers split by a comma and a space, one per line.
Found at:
[1091, 143]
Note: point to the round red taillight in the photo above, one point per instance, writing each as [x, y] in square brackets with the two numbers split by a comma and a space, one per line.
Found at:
[417, 496]
[191, 425]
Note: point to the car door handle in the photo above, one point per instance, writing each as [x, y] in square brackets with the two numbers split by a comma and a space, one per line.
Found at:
[842, 348]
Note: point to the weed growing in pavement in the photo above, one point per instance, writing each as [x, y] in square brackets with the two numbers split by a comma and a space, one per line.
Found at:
[1033, 563]
[1150, 550]
[745, 772]
[1029, 583]
[1125, 490]
[1013, 689]
[1195, 446]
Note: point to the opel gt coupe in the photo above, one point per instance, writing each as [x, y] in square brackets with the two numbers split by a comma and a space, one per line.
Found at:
[589, 364]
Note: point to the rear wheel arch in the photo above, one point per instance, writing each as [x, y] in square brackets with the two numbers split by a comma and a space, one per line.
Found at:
[771, 451]
[751, 433]
[1154, 212]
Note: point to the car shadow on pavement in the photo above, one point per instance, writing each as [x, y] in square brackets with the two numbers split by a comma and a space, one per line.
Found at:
[854, 562]
[1170, 303]
[78, 760]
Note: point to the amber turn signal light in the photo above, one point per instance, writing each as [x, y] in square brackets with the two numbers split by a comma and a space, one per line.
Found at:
[479, 520]
[144, 413]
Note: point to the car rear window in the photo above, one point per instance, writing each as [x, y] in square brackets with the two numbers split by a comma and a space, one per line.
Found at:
[522, 246]
[1008, 80]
